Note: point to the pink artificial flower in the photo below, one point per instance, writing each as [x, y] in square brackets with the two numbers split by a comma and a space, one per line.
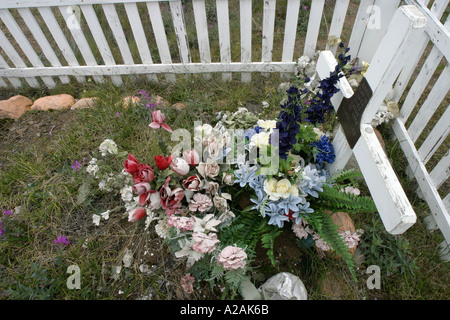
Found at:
[200, 202]
[187, 282]
[232, 258]
[159, 120]
[204, 243]
[143, 189]
[192, 183]
[192, 157]
[180, 166]
[136, 214]
[321, 244]
[185, 223]
[154, 201]
[352, 239]
[170, 199]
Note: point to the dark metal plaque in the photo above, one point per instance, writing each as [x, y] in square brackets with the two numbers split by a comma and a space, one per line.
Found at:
[351, 111]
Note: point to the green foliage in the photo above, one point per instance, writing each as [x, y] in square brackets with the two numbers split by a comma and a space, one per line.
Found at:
[391, 253]
[268, 239]
[328, 230]
[305, 136]
[335, 200]
[36, 286]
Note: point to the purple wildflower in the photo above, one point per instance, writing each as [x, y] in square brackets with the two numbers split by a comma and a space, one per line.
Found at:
[7, 212]
[60, 240]
[76, 166]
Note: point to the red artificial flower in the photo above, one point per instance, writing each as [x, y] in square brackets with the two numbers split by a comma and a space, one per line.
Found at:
[136, 214]
[131, 165]
[162, 162]
[144, 173]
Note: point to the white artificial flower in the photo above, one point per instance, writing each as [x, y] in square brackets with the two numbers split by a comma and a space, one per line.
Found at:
[108, 146]
[208, 223]
[92, 167]
[96, 219]
[162, 229]
[105, 215]
[150, 218]
[127, 193]
[267, 125]
[130, 205]
[127, 258]
[188, 251]
[280, 189]
[303, 61]
[260, 139]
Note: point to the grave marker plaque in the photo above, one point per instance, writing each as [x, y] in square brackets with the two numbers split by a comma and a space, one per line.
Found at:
[351, 111]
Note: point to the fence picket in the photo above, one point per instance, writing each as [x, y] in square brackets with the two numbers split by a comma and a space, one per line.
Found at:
[37, 33]
[246, 35]
[428, 189]
[59, 37]
[441, 172]
[268, 30]
[430, 105]
[417, 52]
[15, 58]
[315, 17]
[24, 44]
[117, 30]
[176, 9]
[436, 137]
[100, 39]
[13, 80]
[156, 21]
[139, 37]
[359, 27]
[292, 11]
[337, 22]
[201, 26]
[81, 41]
[223, 24]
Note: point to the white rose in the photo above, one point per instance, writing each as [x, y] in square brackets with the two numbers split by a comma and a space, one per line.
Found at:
[260, 139]
[280, 189]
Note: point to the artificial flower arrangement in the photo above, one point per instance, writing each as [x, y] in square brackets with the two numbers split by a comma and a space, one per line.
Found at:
[193, 195]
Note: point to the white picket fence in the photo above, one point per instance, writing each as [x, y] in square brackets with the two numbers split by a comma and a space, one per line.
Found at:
[52, 56]
[404, 41]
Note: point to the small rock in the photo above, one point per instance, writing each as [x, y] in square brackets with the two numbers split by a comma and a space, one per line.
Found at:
[129, 101]
[14, 107]
[179, 106]
[55, 102]
[344, 223]
[160, 102]
[84, 103]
